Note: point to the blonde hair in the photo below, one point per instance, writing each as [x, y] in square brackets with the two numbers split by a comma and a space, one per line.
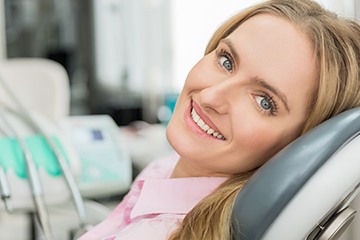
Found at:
[336, 43]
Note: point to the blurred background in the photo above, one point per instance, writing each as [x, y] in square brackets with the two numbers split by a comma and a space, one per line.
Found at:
[124, 58]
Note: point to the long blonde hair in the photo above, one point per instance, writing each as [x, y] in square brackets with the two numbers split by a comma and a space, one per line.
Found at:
[336, 43]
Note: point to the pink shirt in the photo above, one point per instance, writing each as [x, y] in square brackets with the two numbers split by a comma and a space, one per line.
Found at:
[154, 205]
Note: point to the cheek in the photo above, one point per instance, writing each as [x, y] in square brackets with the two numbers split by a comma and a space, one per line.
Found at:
[176, 128]
[259, 143]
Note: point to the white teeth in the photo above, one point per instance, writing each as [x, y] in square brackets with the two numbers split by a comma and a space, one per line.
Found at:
[196, 118]
[210, 131]
[200, 123]
[204, 126]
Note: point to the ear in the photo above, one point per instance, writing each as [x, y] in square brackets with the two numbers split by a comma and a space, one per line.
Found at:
[304, 191]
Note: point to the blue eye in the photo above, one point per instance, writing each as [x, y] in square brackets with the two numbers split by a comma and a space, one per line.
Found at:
[225, 60]
[266, 104]
[226, 63]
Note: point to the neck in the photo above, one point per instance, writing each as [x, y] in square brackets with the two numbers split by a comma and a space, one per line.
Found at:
[180, 170]
[187, 168]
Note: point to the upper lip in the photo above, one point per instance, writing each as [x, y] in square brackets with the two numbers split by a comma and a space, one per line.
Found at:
[205, 118]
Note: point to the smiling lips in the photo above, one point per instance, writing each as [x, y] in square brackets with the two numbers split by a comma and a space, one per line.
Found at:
[200, 122]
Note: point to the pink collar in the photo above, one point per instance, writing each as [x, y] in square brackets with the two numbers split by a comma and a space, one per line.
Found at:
[177, 195]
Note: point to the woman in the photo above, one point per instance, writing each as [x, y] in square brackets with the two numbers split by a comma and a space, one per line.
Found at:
[269, 74]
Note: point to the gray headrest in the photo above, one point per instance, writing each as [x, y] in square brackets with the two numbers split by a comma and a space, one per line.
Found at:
[271, 188]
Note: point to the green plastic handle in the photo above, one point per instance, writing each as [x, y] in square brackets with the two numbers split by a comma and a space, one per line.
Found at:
[12, 156]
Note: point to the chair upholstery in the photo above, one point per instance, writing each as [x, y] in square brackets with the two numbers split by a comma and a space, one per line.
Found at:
[42, 85]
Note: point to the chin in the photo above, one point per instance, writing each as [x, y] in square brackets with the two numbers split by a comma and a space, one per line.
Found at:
[176, 141]
[171, 134]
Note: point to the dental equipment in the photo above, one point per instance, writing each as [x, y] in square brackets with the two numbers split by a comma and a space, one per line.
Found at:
[5, 190]
[77, 198]
[34, 179]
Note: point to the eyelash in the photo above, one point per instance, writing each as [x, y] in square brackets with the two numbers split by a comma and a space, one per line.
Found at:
[273, 106]
[224, 53]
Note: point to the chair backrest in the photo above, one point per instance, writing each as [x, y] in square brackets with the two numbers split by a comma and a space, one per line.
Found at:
[42, 85]
[300, 192]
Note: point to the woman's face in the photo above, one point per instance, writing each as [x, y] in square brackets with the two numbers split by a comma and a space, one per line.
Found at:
[244, 101]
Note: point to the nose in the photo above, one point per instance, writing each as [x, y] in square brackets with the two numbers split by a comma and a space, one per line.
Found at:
[217, 97]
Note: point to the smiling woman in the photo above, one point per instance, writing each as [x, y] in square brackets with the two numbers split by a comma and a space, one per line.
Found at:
[269, 74]
[249, 87]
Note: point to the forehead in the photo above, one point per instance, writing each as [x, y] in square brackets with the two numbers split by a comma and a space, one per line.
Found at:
[273, 36]
[274, 49]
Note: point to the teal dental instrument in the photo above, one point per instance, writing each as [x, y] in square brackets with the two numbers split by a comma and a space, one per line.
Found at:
[5, 190]
[70, 180]
[34, 180]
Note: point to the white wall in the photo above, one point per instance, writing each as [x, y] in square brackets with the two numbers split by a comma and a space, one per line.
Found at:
[344, 8]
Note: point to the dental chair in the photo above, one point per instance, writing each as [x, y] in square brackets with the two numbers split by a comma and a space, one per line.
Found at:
[41, 85]
[42, 88]
[307, 190]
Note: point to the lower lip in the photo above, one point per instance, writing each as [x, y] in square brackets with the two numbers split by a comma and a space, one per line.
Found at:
[194, 127]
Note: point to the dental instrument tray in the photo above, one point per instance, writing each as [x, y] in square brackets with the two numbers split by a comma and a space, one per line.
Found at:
[105, 163]
[15, 176]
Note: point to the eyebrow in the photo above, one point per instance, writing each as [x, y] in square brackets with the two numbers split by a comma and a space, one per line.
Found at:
[274, 90]
[233, 52]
